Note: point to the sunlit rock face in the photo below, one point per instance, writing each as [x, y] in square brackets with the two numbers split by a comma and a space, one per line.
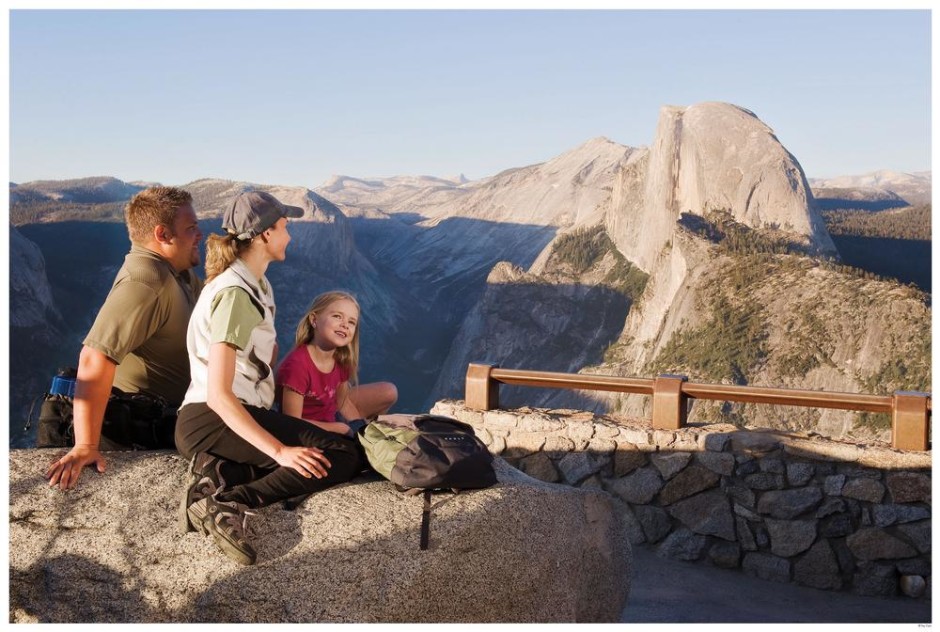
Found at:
[705, 157]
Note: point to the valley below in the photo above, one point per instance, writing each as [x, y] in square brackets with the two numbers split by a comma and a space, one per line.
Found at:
[705, 254]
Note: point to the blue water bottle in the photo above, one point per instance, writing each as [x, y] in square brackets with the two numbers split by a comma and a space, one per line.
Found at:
[64, 383]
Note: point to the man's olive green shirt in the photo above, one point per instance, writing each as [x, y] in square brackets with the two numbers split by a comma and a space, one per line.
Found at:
[142, 325]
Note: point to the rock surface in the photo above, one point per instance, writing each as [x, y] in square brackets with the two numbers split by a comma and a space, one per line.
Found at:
[31, 302]
[37, 332]
[708, 156]
[109, 551]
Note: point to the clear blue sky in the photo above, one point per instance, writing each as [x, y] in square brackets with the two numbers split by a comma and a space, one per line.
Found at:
[292, 97]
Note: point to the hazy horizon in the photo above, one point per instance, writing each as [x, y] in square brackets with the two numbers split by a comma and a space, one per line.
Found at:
[368, 177]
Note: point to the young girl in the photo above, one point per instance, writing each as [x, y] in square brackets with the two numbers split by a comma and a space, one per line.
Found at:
[245, 455]
[316, 380]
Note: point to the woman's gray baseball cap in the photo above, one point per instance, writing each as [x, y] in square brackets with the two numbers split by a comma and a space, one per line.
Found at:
[253, 212]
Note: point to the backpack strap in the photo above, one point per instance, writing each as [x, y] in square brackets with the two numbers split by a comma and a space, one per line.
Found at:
[32, 407]
[426, 520]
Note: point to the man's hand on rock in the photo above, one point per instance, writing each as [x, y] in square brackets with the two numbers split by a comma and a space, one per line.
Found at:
[65, 472]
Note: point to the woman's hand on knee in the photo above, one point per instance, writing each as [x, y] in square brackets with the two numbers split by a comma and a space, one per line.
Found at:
[307, 461]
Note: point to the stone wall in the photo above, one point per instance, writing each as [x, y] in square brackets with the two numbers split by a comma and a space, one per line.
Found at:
[784, 507]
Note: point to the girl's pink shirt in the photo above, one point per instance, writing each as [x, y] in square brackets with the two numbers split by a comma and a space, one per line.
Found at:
[298, 373]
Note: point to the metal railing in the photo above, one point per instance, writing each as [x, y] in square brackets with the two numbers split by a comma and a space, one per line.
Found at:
[910, 411]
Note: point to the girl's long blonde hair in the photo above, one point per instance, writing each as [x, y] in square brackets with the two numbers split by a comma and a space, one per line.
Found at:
[347, 356]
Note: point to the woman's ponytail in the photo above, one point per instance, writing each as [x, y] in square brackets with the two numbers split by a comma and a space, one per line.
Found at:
[221, 252]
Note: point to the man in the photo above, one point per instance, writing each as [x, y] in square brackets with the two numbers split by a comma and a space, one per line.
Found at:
[138, 341]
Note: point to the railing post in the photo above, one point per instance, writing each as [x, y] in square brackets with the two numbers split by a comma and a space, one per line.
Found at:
[670, 404]
[909, 421]
[482, 393]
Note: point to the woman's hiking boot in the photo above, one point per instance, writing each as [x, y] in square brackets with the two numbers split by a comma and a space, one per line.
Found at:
[205, 479]
[227, 522]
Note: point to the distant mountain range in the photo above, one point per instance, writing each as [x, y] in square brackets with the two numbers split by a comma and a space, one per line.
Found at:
[411, 192]
[874, 191]
[704, 253]
[98, 190]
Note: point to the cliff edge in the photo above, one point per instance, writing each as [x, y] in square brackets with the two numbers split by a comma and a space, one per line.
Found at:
[109, 551]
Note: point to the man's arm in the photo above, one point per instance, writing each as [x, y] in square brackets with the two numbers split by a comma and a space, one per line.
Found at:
[92, 390]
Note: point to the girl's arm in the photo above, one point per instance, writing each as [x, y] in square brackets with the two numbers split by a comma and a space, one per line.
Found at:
[292, 403]
[306, 461]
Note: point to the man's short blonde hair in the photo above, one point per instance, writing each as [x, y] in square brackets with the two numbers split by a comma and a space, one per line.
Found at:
[153, 207]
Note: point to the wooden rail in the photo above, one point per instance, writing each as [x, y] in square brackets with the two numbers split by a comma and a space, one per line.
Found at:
[910, 411]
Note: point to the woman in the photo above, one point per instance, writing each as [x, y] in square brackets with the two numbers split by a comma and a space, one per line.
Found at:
[244, 455]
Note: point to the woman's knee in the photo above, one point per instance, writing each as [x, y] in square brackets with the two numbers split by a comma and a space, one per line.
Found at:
[345, 463]
[333, 445]
[348, 462]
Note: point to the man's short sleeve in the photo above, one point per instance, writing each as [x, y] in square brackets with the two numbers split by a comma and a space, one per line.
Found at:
[127, 319]
[232, 317]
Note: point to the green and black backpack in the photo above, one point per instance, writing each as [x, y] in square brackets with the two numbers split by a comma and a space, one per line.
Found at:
[427, 453]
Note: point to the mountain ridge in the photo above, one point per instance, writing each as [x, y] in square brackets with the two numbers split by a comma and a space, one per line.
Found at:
[450, 271]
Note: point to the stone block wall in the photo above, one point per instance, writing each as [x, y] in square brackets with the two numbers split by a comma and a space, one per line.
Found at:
[785, 507]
